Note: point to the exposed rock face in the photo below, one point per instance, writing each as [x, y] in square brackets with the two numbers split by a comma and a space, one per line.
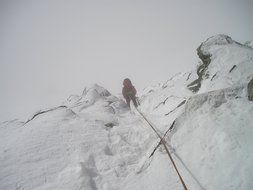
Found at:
[224, 62]
[205, 56]
[250, 90]
[206, 60]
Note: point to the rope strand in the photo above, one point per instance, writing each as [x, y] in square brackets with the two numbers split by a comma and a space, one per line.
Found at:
[166, 149]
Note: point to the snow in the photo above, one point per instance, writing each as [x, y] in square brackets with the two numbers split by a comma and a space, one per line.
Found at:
[72, 148]
[94, 142]
[221, 133]
[231, 63]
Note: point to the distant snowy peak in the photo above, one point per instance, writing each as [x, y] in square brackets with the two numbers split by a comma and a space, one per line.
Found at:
[75, 104]
[90, 94]
[96, 89]
[95, 96]
[217, 40]
[225, 62]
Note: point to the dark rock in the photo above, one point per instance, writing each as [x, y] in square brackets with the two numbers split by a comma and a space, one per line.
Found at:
[250, 90]
[206, 60]
[213, 76]
[232, 68]
[110, 125]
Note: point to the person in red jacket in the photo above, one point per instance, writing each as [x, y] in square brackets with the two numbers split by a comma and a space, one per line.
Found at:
[129, 92]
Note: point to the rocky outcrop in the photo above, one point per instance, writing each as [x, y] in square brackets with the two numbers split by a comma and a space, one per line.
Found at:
[206, 60]
[250, 90]
[224, 62]
[205, 56]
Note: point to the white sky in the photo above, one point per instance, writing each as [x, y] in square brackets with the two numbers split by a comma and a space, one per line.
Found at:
[50, 49]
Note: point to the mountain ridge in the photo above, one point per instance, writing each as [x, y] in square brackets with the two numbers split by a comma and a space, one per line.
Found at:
[95, 142]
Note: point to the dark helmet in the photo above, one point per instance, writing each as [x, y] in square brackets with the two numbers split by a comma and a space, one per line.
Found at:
[127, 82]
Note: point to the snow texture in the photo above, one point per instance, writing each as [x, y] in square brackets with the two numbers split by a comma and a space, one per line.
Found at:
[95, 142]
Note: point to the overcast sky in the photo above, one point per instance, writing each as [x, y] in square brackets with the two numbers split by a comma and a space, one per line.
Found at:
[50, 49]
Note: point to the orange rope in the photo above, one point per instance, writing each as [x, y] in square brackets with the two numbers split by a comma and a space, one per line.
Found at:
[166, 149]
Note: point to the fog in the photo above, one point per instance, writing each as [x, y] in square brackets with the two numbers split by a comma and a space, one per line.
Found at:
[50, 49]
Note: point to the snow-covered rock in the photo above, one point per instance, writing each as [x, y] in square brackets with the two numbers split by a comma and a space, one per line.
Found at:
[250, 90]
[90, 94]
[212, 136]
[224, 63]
[249, 43]
[94, 142]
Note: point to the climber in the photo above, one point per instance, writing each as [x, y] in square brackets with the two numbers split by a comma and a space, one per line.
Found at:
[129, 92]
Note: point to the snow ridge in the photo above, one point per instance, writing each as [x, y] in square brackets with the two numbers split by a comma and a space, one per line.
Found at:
[94, 142]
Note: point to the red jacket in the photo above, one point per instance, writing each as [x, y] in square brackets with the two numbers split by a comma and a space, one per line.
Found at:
[128, 89]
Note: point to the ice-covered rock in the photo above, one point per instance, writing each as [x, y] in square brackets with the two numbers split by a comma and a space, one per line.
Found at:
[249, 43]
[211, 135]
[90, 95]
[250, 90]
[218, 40]
[224, 63]
[94, 90]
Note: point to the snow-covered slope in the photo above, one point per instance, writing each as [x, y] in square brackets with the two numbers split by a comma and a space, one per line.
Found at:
[224, 63]
[212, 135]
[94, 142]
